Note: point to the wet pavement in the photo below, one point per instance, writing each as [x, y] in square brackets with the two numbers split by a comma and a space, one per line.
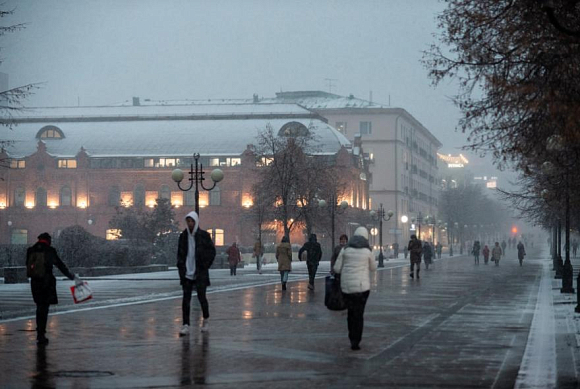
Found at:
[459, 326]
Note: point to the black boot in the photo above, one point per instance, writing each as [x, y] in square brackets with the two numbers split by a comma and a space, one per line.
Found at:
[283, 286]
[418, 274]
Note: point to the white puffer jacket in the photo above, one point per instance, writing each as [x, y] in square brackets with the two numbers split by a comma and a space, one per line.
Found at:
[354, 265]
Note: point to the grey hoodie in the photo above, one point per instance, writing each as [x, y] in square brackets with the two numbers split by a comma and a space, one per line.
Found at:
[190, 260]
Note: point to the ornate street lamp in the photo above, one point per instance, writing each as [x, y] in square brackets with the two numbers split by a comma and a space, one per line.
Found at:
[334, 210]
[379, 215]
[196, 178]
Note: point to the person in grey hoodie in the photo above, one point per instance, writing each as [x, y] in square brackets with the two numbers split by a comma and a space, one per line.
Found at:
[354, 264]
[195, 255]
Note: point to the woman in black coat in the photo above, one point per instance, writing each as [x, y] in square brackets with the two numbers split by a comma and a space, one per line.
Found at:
[44, 286]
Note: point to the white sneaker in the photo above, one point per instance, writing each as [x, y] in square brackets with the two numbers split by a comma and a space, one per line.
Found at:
[204, 326]
[184, 330]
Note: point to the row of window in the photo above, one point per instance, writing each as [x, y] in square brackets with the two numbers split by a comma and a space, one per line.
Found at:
[364, 128]
[136, 163]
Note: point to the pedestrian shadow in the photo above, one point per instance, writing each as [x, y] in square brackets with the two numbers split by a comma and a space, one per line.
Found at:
[41, 377]
[194, 360]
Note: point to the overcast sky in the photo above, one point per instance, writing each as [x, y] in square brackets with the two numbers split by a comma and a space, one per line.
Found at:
[106, 51]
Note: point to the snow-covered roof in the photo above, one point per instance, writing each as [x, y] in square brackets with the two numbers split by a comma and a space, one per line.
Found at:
[161, 130]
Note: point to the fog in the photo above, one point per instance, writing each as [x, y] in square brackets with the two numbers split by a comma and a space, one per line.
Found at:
[104, 52]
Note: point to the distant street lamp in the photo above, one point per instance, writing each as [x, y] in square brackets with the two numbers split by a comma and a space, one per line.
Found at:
[334, 210]
[379, 215]
[196, 176]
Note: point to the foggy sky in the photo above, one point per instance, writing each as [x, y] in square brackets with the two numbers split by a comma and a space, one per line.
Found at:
[106, 51]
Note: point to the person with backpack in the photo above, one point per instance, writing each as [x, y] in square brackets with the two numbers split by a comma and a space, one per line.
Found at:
[313, 255]
[40, 258]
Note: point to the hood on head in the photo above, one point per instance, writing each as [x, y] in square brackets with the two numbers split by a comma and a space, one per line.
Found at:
[312, 238]
[362, 231]
[358, 242]
[195, 217]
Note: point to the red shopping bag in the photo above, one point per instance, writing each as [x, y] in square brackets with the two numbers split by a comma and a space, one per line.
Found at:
[81, 292]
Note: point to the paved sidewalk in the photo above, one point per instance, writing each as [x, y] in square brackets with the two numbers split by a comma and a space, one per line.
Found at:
[460, 326]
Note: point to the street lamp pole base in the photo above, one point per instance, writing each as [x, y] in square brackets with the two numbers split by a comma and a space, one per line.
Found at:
[381, 260]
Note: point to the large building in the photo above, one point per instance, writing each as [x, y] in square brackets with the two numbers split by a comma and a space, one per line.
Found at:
[74, 165]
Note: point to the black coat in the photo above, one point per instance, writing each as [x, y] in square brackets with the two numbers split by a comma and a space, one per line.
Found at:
[314, 252]
[204, 256]
[44, 289]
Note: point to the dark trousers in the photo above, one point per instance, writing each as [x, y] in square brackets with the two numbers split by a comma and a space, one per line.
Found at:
[233, 270]
[413, 266]
[186, 305]
[41, 319]
[312, 268]
[355, 303]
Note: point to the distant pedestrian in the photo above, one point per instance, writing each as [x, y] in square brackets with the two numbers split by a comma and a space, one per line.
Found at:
[234, 258]
[496, 253]
[313, 255]
[521, 253]
[284, 258]
[503, 246]
[396, 250]
[475, 251]
[354, 265]
[342, 241]
[427, 256]
[40, 258]
[258, 254]
[574, 247]
[195, 255]
[485, 253]
[439, 249]
[416, 249]
[406, 251]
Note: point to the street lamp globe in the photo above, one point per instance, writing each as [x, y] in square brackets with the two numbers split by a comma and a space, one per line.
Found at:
[217, 175]
[322, 203]
[343, 204]
[373, 213]
[390, 213]
[177, 175]
[404, 219]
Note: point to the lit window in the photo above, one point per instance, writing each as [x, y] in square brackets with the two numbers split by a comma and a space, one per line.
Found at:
[265, 161]
[235, 161]
[50, 132]
[17, 164]
[148, 162]
[341, 126]
[67, 163]
[217, 236]
[113, 234]
[214, 162]
[167, 162]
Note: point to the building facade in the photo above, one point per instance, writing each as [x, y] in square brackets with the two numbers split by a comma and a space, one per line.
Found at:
[74, 166]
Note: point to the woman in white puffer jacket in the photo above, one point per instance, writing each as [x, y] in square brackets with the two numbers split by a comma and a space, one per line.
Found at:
[354, 264]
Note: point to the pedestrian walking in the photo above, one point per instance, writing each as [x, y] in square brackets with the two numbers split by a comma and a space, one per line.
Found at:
[195, 255]
[503, 246]
[439, 249]
[496, 253]
[40, 258]
[427, 256]
[234, 258]
[258, 254]
[313, 255]
[406, 251]
[354, 265]
[475, 251]
[574, 247]
[485, 253]
[521, 253]
[416, 249]
[342, 241]
[284, 258]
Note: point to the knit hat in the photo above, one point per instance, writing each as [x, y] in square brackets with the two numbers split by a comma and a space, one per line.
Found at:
[362, 231]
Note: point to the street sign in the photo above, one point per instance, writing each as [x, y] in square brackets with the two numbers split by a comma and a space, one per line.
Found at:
[395, 231]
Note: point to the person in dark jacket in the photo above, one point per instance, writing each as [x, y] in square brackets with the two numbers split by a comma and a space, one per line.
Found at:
[234, 258]
[416, 249]
[195, 255]
[44, 287]
[475, 251]
[313, 255]
[521, 253]
[342, 241]
[427, 256]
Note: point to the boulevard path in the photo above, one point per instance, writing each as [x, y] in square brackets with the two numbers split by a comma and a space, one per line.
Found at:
[459, 326]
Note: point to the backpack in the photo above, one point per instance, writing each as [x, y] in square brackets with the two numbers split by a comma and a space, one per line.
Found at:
[36, 264]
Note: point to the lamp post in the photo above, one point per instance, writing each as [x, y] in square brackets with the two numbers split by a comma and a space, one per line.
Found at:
[334, 210]
[196, 178]
[379, 215]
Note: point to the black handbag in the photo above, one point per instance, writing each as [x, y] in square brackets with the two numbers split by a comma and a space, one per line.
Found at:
[333, 297]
